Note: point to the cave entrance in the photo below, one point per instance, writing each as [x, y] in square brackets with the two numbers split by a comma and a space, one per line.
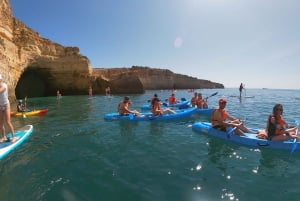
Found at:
[32, 83]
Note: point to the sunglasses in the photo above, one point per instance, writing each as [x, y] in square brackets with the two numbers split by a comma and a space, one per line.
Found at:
[279, 109]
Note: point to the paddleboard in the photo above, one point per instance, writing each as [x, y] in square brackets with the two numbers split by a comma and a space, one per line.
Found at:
[242, 96]
[21, 135]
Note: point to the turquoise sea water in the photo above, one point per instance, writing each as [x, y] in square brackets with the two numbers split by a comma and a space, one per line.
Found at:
[73, 154]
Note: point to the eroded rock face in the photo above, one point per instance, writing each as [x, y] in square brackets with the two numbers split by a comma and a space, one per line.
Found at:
[34, 66]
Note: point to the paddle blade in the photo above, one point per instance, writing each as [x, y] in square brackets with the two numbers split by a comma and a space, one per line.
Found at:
[230, 131]
[213, 94]
[130, 116]
[294, 147]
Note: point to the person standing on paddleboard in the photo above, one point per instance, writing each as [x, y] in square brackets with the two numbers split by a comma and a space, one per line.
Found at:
[241, 89]
[5, 111]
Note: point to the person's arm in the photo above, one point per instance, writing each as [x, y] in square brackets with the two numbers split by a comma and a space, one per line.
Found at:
[126, 108]
[234, 122]
[1, 88]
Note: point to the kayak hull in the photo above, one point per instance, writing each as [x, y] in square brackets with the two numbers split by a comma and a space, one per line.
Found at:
[21, 135]
[147, 116]
[206, 111]
[249, 140]
[30, 113]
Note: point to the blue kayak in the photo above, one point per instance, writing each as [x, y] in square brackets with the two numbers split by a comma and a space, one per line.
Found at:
[147, 116]
[179, 105]
[21, 135]
[248, 140]
[205, 111]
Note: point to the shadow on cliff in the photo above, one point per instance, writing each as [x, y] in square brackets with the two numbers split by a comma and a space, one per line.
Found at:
[31, 84]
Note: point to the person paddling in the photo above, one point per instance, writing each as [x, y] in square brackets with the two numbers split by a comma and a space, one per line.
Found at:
[277, 129]
[157, 110]
[219, 121]
[123, 108]
[241, 89]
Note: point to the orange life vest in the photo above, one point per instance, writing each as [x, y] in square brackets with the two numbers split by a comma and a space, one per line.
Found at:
[224, 115]
[280, 125]
[172, 100]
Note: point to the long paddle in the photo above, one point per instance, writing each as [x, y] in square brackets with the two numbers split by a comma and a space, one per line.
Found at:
[231, 131]
[212, 95]
[25, 99]
[295, 144]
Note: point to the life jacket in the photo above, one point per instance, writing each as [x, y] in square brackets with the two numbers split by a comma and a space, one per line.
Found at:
[194, 100]
[200, 103]
[172, 100]
[224, 115]
[277, 128]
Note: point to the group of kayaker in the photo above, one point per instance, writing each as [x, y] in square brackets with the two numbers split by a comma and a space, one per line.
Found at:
[276, 128]
[156, 108]
[198, 101]
[123, 107]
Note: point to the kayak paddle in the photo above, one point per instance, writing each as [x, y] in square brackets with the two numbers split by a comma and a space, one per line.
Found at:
[212, 95]
[295, 144]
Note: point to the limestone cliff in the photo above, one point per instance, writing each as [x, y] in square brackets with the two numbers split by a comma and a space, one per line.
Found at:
[34, 66]
[153, 78]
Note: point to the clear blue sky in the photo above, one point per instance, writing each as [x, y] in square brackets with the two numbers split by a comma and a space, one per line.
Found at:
[256, 42]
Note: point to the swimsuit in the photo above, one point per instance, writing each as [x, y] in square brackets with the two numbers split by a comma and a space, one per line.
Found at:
[3, 107]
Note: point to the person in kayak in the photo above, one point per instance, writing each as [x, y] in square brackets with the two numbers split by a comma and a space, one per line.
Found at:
[172, 100]
[157, 110]
[201, 103]
[277, 129]
[194, 99]
[219, 116]
[21, 106]
[154, 96]
[123, 107]
[5, 112]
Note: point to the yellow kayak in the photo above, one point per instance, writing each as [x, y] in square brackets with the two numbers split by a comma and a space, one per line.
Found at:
[29, 113]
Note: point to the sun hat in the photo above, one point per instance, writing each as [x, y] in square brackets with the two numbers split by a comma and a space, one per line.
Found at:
[222, 100]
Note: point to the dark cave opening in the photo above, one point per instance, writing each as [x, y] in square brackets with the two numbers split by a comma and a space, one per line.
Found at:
[31, 84]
